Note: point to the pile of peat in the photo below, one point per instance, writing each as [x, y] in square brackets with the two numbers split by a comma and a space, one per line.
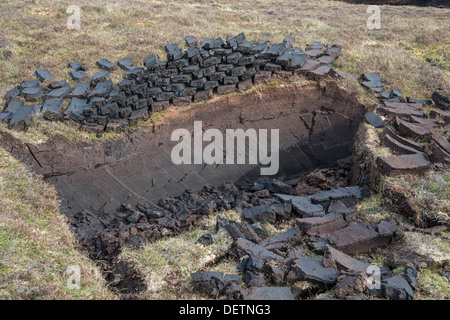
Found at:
[420, 3]
[321, 205]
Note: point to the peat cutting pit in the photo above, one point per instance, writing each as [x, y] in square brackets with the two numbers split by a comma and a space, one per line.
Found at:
[127, 191]
[317, 125]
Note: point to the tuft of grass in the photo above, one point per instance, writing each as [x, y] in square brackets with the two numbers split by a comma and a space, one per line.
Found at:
[35, 242]
[167, 263]
[36, 245]
[430, 191]
[425, 251]
[372, 209]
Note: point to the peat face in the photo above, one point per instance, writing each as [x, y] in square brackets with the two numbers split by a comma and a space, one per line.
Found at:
[316, 124]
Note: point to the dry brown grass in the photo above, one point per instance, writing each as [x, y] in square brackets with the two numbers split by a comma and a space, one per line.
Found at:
[36, 245]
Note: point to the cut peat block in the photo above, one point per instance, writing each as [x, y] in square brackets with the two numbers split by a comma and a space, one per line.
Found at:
[403, 164]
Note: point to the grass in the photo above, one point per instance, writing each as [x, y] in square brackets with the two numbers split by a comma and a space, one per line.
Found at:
[36, 33]
[374, 143]
[436, 247]
[433, 285]
[167, 263]
[430, 191]
[36, 245]
[372, 209]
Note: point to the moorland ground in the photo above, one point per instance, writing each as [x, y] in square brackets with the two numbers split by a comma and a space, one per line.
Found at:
[410, 51]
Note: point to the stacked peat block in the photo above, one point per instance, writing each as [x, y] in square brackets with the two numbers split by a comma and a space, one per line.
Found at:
[419, 138]
[267, 266]
[214, 66]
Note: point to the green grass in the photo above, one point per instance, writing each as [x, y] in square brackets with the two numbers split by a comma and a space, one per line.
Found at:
[36, 245]
[167, 263]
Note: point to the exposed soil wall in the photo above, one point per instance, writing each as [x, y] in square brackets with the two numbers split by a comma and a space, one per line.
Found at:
[317, 124]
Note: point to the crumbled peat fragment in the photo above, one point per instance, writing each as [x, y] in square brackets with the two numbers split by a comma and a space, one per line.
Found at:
[313, 269]
[78, 75]
[191, 41]
[269, 266]
[404, 164]
[441, 101]
[52, 108]
[126, 64]
[206, 239]
[44, 75]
